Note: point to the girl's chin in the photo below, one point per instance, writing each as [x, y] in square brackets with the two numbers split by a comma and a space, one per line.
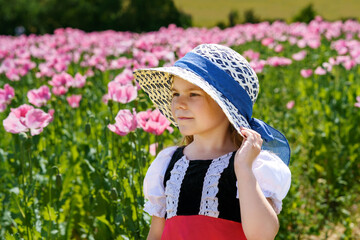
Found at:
[186, 132]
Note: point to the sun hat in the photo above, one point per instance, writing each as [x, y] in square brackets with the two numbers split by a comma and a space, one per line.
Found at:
[224, 75]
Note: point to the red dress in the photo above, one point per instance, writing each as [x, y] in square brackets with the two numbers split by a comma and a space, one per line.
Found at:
[197, 227]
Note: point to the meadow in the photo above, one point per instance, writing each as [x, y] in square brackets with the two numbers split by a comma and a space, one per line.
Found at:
[78, 134]
[207, 13]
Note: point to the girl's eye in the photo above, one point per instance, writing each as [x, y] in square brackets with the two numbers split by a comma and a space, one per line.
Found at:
[175, 94]
[194, 95]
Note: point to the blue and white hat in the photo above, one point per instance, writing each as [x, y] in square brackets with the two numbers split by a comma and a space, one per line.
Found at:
[225, 76]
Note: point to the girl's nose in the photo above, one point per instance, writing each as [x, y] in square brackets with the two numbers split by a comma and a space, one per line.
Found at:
[180, 102]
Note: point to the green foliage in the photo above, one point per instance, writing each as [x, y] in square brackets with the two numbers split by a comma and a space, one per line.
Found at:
[151, 15]
[306, 14]
[44, 16]
[234, 18]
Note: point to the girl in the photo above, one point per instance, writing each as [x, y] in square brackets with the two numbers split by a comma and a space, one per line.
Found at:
[229, 179]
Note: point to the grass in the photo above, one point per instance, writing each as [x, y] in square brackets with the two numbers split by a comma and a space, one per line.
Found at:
[207, 13]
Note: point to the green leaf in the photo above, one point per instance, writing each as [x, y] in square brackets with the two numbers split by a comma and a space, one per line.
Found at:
[319, 168]
[106, 222]
[18, 204]
[49, 213]
[8, 236]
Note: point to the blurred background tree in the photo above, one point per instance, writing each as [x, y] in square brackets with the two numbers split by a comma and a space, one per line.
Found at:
[142, 15]
[250, 17]
[306, 14]
[44, 16]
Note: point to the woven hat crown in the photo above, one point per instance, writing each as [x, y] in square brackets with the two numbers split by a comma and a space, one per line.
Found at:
[233, 64]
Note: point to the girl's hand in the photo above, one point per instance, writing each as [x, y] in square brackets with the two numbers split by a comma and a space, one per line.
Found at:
[249, 149]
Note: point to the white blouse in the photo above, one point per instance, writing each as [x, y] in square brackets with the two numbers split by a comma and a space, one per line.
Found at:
[272, 174]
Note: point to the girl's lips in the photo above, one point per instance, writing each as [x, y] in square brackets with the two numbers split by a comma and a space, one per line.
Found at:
[183, 118]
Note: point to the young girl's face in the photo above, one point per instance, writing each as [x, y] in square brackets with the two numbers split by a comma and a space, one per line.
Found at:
[194, 110]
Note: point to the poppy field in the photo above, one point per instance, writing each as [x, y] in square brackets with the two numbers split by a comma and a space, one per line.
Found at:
[78, 134]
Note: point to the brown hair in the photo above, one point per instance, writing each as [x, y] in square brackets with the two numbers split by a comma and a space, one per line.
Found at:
[236, 138]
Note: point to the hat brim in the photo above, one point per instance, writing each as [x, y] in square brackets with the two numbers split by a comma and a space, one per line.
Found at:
[157, 83]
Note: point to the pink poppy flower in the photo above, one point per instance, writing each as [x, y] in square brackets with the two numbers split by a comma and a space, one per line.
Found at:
[153, 122]
[59, 90]
[125, 77]
[39, 97]
[121, 93]
[357, 104]
[150, 60]
[320, 71]
[327, 66]
[290, 104]
[267, 41]
[78, 81]
[2, 107]
[105, 98]
[258, 65]
[25, 118]
[278, 61]
[306, 73]
[89, 73]
[125, 122]
[51, 112]
[6, 95]
[74, 100]
[342, 50]
[301, 43]
[292, 40]
[314, 43]
[120, 63]
[349, 64]
[250, 54]
[279, 48]
[299, 56]
[62, 79]
[13, 74]
[60, 83]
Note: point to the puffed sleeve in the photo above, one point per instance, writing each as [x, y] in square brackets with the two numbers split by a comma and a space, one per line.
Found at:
[154, 190]
[273, 176]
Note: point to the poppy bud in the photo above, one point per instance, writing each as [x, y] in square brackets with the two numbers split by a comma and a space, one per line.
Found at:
[58, 180]
[87, 128]
[114, 194]
[23, 136]
[110, 103]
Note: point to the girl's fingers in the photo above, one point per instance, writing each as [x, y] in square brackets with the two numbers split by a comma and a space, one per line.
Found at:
[249, 133]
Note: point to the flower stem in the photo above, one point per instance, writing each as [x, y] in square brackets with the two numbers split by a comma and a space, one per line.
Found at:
[29, 157]
[132, 183]
[49, 227]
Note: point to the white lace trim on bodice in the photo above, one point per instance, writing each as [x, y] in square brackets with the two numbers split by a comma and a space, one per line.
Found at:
[209, 201]
[173, 185]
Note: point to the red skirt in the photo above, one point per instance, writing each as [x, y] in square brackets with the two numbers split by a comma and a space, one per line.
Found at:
[201, 227]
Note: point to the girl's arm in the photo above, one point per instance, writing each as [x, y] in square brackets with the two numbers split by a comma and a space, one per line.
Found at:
[258, 218]
[156, 228]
